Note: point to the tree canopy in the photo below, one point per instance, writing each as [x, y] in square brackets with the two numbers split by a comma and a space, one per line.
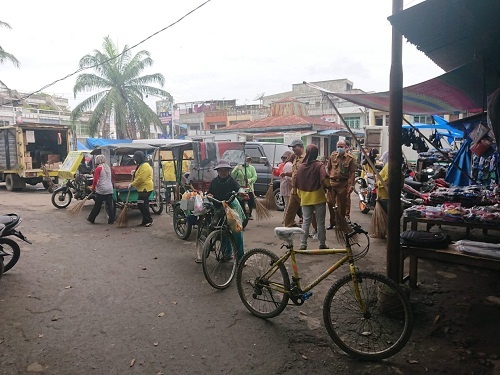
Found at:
[6, 56]
[121, 91]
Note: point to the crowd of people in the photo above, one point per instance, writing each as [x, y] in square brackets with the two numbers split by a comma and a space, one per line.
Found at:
[309, 186]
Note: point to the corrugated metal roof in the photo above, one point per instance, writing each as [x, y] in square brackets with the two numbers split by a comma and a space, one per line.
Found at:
[283, 123]
[453, 33]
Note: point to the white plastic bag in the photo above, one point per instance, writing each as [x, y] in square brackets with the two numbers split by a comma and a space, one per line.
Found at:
[198, 204]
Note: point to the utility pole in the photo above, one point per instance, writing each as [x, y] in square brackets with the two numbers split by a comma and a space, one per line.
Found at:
[395, 157]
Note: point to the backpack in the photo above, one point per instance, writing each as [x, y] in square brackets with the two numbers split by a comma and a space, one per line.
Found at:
[422, 239]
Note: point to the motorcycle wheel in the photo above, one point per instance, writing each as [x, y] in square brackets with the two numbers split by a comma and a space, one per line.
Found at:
[13, 250]
[363, 207]
[181, 227]
[61, 198]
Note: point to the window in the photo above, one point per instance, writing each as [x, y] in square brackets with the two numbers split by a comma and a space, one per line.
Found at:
[255, 154]
[353, 122]
[422, 119]
[316, 141]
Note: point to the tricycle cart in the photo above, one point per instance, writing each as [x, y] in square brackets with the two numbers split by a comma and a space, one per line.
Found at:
[120, 158]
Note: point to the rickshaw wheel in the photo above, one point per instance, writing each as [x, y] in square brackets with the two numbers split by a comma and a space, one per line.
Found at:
[181, 227]
[157, 206]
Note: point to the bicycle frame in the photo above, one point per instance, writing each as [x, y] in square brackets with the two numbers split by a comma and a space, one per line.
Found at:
[348, 257]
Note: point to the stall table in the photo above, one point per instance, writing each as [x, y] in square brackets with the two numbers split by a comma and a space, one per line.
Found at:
[449, 255]
[413, 221]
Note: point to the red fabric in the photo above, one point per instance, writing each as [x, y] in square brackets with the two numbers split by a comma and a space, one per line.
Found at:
[97, 174]
[277, 171]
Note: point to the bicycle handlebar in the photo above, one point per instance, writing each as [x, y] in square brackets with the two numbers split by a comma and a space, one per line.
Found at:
[230, 200]
[356, 228]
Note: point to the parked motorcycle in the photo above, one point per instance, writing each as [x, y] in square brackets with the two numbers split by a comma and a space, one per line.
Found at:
[78, 188]
[2, 253]
[9, 249]
[244, 199]
[367, 193]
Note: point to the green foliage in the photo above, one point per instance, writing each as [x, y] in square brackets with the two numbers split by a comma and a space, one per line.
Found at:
[5, 56]
[121, 90]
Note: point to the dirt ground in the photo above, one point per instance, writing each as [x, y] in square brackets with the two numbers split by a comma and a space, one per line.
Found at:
[95, 299]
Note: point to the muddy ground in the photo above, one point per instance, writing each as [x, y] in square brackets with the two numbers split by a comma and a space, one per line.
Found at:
[95, 299]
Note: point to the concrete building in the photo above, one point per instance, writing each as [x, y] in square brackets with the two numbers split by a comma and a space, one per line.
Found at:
[289, 119]
[40, 108]
[356, 117]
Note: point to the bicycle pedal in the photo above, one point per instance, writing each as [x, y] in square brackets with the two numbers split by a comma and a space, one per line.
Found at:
[306, 296]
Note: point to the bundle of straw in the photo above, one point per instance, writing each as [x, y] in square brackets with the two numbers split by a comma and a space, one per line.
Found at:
[378, 225]
[269, 201]
[262, 211]
[77, 208]
[122, 220]
[342, 228]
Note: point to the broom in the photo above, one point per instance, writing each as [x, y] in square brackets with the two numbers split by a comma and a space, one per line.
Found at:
[342, 228]
[77, 208]
[122, 220]
[269, 201]
[378, 225]
[261, 210]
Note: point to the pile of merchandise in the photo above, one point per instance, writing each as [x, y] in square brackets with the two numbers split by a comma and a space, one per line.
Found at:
[455, 212]
[468, 196]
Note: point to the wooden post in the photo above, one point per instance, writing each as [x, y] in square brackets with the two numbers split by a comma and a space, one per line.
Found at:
[395, 156]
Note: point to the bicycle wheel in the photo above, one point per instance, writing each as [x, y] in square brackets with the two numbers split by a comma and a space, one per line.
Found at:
[11, 248]
[219, 259]
[378, 333]
[259, 295]
[181, 227]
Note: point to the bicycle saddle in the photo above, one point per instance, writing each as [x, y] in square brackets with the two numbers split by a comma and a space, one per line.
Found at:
[286, 233]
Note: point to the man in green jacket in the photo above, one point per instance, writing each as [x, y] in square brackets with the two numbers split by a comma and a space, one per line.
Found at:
[245, 175]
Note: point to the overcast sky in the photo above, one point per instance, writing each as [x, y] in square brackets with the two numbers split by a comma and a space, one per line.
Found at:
[228, 49]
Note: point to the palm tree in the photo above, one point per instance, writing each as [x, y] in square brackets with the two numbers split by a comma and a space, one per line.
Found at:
[5, 56]
[122, 93]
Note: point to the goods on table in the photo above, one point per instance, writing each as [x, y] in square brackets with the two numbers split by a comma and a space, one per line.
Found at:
[454, 212]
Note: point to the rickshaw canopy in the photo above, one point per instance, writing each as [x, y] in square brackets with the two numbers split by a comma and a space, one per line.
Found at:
[123, 148]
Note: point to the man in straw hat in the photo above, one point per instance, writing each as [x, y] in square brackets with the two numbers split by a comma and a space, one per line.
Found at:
[221, 188]
[294, 201]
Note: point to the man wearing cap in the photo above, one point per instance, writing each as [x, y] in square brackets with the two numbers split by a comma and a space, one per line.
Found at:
[341, 168]
[294, 201]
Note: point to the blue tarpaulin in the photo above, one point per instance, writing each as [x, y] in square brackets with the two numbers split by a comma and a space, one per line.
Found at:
[80, 146]
[463, 159]
[96, 142]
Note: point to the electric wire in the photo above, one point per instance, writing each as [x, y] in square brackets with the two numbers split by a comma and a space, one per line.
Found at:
[108, 60]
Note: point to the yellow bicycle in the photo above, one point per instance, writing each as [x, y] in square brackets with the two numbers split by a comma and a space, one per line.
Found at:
[366, 314]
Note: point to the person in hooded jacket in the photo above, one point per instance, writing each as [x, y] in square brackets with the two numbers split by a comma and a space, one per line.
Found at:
[310, 184]
[143, 182]
[102, 187]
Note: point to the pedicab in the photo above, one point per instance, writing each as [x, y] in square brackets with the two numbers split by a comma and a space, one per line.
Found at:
[120, 157]
[206, 155]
